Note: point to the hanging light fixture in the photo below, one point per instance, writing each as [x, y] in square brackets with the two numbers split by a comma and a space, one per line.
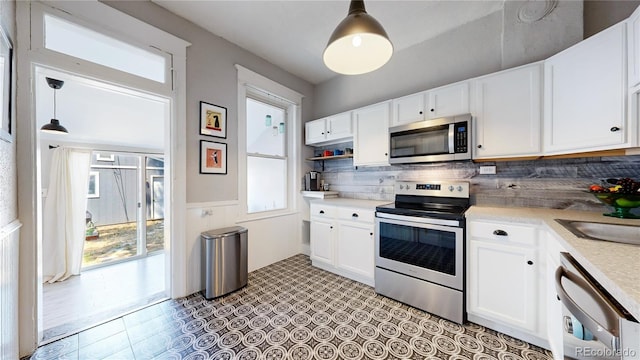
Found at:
[359, 43]
[54, 126]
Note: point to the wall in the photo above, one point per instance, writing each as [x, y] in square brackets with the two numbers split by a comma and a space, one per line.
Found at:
[212, 199]
[9, 225]
[211, 77]
[8, 177]
[489, 44]
[599, 15]
[557, 184]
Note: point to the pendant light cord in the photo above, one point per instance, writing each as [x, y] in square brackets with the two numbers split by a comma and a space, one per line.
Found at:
[54, 103]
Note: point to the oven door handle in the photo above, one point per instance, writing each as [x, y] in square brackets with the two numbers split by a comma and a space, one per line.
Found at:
[608, 335]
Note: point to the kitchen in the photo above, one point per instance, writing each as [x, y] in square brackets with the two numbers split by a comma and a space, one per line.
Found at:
[521, 183]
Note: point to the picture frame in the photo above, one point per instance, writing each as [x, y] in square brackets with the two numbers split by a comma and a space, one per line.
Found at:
[213, 157]
[213, 120]
[6, 82]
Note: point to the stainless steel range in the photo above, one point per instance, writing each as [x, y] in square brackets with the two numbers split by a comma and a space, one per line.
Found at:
[419, 247]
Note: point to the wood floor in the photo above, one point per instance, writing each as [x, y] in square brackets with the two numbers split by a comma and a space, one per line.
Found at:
[101, 294]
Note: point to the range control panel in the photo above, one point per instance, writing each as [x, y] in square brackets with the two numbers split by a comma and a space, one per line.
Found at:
[458, 189]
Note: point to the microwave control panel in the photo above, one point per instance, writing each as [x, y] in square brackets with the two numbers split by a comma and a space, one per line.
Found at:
[461, 137]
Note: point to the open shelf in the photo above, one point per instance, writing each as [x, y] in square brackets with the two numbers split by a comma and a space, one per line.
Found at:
[334, 157]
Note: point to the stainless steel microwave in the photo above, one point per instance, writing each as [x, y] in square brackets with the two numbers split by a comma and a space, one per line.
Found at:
[443, 139]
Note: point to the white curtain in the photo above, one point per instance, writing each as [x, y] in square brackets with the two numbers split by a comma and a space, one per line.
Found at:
[64, 214]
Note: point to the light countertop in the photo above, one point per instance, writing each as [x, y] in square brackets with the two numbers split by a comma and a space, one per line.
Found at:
[356, 203]
[615, 266]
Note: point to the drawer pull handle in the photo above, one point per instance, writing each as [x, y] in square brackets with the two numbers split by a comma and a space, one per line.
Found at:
[321, 211]
[371, 234]
[354, 215]
[530, 262]
[500, 233]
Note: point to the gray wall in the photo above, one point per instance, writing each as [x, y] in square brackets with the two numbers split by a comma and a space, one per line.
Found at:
[8, 182]
[211, 77]
[489, 44]
[599, 15]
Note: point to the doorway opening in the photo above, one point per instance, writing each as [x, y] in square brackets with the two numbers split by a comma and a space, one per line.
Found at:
[123, 255]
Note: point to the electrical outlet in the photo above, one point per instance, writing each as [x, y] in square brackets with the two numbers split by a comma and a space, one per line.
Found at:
[487, 170]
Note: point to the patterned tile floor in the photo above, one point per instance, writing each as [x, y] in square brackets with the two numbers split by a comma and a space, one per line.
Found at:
[289, 310]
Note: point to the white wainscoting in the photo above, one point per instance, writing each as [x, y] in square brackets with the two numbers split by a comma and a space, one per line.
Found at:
[9, 244]
[270, 240]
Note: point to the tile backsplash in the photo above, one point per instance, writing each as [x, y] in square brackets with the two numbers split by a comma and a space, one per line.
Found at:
[548, 183]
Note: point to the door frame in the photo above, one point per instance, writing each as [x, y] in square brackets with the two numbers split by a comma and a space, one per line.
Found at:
[28, 151]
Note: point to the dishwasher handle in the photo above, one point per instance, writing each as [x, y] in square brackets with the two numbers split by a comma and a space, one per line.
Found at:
[608, 335]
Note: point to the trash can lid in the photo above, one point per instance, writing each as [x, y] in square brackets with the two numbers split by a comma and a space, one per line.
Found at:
[216, 233]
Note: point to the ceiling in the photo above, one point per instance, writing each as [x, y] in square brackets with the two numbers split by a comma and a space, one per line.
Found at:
[99, 113]
[293, 34]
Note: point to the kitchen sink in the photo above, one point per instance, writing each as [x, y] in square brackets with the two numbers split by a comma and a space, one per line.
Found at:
[628, 234]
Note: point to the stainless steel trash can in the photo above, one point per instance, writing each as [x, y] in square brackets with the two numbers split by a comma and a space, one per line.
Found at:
[224, 261]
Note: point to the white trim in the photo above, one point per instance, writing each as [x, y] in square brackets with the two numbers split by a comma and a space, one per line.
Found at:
[266, 215]
[28, 152]
[10, 228]
[254, 80]
[211, 204]
[248, 82]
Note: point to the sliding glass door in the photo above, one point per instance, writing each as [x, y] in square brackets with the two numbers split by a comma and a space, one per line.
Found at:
[125, 207]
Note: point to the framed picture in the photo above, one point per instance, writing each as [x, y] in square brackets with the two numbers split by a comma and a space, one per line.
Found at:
[6, 72]
[213, 157]
[213, 120]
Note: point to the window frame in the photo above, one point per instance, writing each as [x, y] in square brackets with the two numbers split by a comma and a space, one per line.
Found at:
[255, 86]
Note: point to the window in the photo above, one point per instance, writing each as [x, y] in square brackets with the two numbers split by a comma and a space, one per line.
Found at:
[72, 39]
[268, 146]
[94, 185]
[266, 157]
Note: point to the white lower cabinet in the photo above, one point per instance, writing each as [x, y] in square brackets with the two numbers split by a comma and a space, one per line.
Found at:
[505, 289]
[355, 248]
[322, 234]
[342, 241]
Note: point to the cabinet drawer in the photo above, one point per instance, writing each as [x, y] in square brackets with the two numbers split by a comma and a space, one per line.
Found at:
[322, 211]
[503, 232]
[355, 214]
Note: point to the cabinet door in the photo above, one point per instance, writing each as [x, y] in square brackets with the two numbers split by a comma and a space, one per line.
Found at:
[585, 87]
[339, 126]
[449, 100]
[554, 306]
[502, 284]
[509, 113]
[633, 42]
[408, 109]
[355, 248]
[315, 131]
[321, 238]
[371, 137]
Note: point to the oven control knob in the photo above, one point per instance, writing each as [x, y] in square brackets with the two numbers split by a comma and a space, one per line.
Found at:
[459, 188]
[401, 186]
[450, 187]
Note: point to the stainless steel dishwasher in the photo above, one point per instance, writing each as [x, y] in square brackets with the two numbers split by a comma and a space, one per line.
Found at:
[595, 325]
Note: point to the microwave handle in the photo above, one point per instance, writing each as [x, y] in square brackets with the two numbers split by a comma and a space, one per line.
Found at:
[606, 335]
[452, 149]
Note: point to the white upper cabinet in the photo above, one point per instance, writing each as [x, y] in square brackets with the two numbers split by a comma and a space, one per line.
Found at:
[585, 95]
[508, 113]
[633, 41]
[371, 135]
[408, 109]
[333, 129]
[448, 100]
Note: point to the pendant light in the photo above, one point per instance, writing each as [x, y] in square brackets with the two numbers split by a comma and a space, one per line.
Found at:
[54, 126]
[359, 43]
